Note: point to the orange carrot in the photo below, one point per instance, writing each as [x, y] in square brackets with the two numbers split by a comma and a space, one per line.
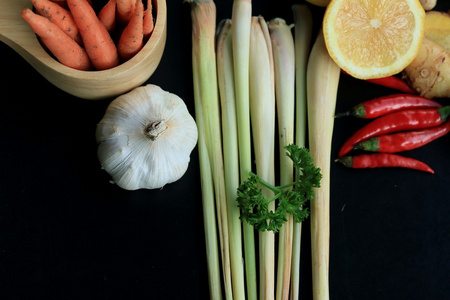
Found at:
[131, 40]
[62, 46]
[125, 9]
[107, 15]
[62, 3]
[98, 43]
[59, 16]
[148, 20]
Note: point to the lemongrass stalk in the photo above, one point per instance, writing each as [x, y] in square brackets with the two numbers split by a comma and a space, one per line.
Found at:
[302, 42]
[230, 151]
[322, 82]
[209, 216]
[207, 189]
[262, 111]
[284, 66]
[302, 38]
[203, 14]
[241, 18]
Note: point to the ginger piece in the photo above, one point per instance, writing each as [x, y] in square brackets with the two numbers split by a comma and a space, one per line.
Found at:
[429, 73]
[428, 4]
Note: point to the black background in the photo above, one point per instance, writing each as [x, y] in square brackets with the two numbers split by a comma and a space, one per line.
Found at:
[66, 232]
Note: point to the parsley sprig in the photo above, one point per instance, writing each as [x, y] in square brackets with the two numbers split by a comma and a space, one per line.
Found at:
[291, 197]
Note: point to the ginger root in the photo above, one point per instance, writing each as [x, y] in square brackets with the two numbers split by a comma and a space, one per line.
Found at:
[429, 73]
[428, 4]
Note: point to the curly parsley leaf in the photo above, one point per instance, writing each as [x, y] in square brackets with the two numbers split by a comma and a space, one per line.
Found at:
[291, 198]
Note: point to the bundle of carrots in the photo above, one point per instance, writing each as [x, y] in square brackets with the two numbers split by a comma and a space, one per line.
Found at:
[81, 38]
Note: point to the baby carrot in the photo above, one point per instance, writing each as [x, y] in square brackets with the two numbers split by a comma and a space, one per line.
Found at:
[148, 20]
[62, 46]
[62, 3]
[59, 16]
[125, 9]
[98, 43]
[107, 15]
[131, 40]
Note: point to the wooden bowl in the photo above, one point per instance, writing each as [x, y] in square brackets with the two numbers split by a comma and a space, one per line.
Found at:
[15, 32]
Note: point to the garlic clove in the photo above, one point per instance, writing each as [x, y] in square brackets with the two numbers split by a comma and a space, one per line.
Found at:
[145, 138]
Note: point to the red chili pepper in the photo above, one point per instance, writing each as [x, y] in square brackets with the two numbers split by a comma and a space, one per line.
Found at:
[383, 105]
[403, 120]
[403, 141]
[378, 160]
[392, 82]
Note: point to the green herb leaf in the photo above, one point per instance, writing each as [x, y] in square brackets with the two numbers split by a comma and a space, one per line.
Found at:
[290, 198]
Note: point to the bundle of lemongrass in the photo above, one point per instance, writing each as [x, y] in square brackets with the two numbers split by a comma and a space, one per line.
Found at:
[248, 74]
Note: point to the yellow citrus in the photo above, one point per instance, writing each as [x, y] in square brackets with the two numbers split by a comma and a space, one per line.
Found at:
[373, 38]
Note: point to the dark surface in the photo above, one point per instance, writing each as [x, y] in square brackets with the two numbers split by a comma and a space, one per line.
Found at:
[67, 233]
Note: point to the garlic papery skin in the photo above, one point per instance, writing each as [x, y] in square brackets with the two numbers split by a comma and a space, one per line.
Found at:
[145, 138]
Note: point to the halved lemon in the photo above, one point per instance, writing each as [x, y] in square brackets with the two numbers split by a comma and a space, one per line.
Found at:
[373, 38]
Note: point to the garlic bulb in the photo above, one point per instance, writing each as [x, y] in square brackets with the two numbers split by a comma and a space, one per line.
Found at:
[145, 138]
